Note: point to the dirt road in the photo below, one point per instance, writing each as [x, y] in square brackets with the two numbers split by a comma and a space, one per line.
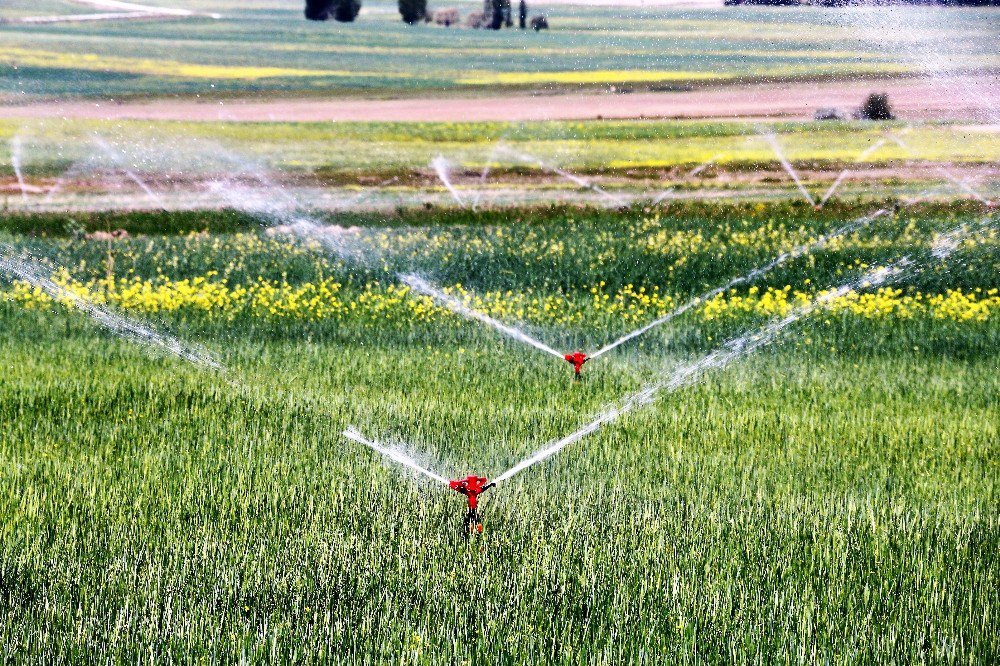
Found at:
[116, 11]
[972, 98]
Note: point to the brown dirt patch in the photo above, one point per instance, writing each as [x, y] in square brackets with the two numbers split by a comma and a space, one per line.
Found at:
[913, 99]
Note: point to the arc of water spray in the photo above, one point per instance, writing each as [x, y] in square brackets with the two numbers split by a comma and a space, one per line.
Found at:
[125, 327]
[949, 174]
[922, 196]
[843, 174]
[582, 182]
[776, 147]
[833, 188]
[74, 169]
[721, 358]
[277, 207]
[718, 359]
[805, 248]
[139, 332]
[943, 247]
[443, 169]
[367, 192]
[118, 159]
[308, 228]
[691, 174]
[701, 167]
[662, 195]
[392, 453]
[421, 285]
[486, 170]
[964, 186]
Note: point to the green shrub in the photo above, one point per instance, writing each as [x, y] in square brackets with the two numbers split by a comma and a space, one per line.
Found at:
[876, 107]
[412, 11]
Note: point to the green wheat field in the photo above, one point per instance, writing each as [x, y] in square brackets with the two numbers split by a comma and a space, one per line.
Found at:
[801, 467]
[833, 498]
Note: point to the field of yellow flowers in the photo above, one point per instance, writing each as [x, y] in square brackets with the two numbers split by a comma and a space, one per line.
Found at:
[583, 273]
[834, 498]
[394, 304]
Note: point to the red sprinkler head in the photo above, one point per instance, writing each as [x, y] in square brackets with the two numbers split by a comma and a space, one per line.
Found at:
[577, 359]
[472, 487]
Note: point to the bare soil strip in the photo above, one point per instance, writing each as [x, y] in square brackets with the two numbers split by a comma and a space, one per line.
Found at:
[905, 181]
[912, 98]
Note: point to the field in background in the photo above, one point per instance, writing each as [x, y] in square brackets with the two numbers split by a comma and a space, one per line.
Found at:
[267, 47]
[155, 149]
[98, 165]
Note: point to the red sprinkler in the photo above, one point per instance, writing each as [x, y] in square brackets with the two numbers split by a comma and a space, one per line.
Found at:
[472, 487]
[577, 359]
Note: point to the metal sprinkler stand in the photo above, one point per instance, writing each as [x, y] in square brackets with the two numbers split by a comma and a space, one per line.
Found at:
[472, 487]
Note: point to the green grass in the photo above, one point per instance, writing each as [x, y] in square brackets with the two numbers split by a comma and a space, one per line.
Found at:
[840, 509]
[381, 54]
[681, 248]
[346, 152]
[833, 499]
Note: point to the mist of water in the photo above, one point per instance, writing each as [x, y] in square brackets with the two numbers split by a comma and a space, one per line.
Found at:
[833, 188]
[948, 174]
[392, 453]
[422, 286]
[963, 185]
[922, 196]
[443, 169]
[668, 193]
[368, 192]
[935, 46]
[74, 170]
[15, 161]
[279, 211]
[803, 249]
[562, 173]
[701, 167]
[119, 160]
[843, 174]
[490, 160]
[665, 194]
[789, 169]
[947, 243]
[28, 270]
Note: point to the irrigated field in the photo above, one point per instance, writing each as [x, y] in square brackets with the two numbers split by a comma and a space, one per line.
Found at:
[831, 499]
[53, 165]
[243, 353]
[347, 151]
